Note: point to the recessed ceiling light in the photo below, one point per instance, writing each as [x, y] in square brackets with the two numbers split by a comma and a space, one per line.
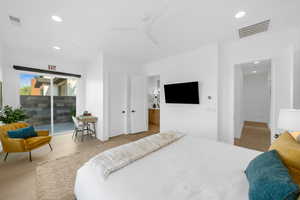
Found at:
[254, 72]
[56, 18]
[240, 14]
[56, 48]
[256, 62]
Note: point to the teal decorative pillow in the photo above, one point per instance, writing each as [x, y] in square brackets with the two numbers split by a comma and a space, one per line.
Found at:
[269, 179]
[22, 133]
[15, 133]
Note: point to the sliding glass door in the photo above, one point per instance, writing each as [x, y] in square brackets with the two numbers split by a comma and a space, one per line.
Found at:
[64, 103]
[35, 99]
[48, 101]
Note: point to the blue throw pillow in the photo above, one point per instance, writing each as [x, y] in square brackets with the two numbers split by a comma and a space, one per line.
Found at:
[22, 133]
[269, 179]
[15, 133]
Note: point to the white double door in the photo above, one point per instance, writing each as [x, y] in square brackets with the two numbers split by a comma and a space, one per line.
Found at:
[127, 104]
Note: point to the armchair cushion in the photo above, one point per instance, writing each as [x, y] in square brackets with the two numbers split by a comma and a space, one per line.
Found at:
[34, 142]
[42, 132]
[14, 145]
[24, 133]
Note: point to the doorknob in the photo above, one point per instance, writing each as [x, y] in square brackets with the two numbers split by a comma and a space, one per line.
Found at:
[133, 111]
[123, 111]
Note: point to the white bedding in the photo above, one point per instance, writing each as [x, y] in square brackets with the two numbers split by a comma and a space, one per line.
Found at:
[189, 169]
[116, 158]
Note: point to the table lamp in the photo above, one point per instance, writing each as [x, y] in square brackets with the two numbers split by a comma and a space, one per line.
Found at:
[289, 120]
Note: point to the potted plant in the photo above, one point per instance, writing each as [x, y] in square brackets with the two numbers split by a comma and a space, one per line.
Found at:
[73, 112]
[10, 115]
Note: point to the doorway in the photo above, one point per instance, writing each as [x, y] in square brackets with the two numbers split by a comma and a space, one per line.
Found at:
[153, 103]
[49, 101]
[252, 103]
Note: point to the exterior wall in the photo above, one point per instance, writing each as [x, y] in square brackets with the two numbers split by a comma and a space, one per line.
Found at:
[34, 91]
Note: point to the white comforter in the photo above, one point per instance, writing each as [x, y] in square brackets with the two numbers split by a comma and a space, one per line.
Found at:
[189, 169]
[116, 158]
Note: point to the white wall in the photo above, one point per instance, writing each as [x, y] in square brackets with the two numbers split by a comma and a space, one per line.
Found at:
[1, 62]
[257, 97]
[296, 79]
[32, 59]
[238, 112]
[275, 46]
[94, 94]
[199, 65]
[1, 74]
[97, 92]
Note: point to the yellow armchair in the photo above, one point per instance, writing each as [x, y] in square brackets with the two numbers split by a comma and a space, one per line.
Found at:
[12, 145]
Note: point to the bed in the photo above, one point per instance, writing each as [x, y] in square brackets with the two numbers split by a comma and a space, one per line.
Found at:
[188, 169]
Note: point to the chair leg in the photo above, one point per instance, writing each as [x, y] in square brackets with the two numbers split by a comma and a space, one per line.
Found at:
[30, 156]
[94, 125]
[76, 136]
[50, 147]
[5, 156]
[73, 134]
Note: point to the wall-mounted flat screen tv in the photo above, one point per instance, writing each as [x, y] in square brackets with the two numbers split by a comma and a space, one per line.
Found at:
[182, 93]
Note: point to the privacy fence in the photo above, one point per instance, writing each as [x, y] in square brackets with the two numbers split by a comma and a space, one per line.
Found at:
[38, 108]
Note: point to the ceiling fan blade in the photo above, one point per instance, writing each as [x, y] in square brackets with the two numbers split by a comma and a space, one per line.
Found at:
[160, 13]
[124, 29]
[152, 38]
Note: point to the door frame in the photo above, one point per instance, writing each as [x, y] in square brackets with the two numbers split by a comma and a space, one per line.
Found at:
[272, 96]
[160, 103]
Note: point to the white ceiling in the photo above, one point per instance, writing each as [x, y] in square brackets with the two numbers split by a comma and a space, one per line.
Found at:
[87, 24]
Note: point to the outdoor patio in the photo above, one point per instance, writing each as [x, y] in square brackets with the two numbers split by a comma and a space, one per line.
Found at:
[59, 128]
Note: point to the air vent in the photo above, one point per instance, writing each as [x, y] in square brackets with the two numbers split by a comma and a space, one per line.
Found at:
[15, 20]
[254, 29]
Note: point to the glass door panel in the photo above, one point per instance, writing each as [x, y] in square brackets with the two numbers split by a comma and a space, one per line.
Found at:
[35, 99]
[64, 104]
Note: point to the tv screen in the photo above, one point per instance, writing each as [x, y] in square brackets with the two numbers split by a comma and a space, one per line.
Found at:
[182, 93]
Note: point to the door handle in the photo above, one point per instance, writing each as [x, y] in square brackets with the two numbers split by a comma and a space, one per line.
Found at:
[123, 111]
[133, 111]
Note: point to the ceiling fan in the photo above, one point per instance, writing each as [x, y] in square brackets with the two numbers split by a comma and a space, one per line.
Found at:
[146, 24]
